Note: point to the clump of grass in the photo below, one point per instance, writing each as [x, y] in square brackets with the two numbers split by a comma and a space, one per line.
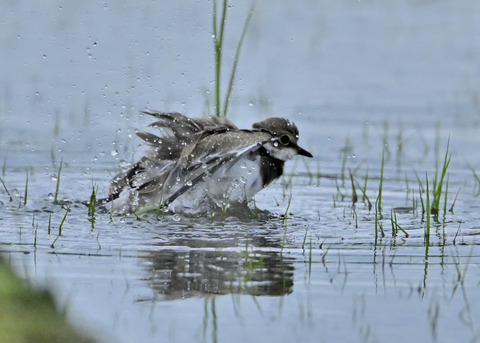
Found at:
[30, 315]
[438, 184]
[57, 189]
[218, 38]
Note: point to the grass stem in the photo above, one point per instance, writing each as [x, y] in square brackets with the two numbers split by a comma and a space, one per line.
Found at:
[55, 201]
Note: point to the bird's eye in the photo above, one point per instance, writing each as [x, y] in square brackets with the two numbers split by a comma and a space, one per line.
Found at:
[284, 140]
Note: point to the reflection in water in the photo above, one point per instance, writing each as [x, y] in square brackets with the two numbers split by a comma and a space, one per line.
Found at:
[184, 274]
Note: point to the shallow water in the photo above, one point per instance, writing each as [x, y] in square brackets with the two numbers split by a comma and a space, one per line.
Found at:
[357, 78]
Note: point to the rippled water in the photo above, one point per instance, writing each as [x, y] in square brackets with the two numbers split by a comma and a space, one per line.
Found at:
[359, 79]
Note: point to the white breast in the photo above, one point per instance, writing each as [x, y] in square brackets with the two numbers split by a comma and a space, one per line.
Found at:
[232, 183]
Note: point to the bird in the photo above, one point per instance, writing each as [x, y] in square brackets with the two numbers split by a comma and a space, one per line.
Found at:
[203, 165]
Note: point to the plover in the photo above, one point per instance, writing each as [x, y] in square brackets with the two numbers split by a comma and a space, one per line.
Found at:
[196, 165]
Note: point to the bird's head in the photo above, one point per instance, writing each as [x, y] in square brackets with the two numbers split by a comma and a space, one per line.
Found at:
[283, 144]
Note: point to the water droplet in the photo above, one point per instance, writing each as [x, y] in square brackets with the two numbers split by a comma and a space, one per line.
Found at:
[275, 144]
[189, 183]
[114, 153]
[243, 179]
[54, 177]
[243, 165]
[176, 217]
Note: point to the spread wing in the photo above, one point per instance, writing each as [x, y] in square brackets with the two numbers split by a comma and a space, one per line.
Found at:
[170, 134]
[209, 154]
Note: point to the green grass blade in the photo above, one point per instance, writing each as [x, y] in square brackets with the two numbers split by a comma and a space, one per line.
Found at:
[218, 33]
[428, 219]
[55, 201]
[6, 189]
[26, 190]
[236, 58]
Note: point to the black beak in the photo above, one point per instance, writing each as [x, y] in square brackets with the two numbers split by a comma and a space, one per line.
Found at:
[303, 152]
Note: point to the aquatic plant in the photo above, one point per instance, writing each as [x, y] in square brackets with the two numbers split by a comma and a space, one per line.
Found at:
[6, 189]
[378, 202]
[25, 197]
[346, 150]
[55, 200]
[395, 226]
[218, 38]
[476, 178]
[92, 205]
[67, 210]
[428, 212]
[285, 214]
[354, 191]
[438, 184]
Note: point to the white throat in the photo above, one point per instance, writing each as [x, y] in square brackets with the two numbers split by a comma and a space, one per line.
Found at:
[281, 153]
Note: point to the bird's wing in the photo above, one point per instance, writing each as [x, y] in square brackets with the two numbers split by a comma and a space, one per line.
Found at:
[172, 132]
[209, 154]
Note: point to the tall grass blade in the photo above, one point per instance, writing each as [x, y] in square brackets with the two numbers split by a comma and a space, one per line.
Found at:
[218, 33]
[354, 191]
[236, 58]
[55, 200]
[378, 203]
[218, 39]
[438, 185]
[60, 228]
[92, 206]
[26, 190]
[6, 189]
[428, 213]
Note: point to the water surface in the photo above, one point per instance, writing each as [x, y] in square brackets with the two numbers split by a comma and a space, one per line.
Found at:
[359, 79]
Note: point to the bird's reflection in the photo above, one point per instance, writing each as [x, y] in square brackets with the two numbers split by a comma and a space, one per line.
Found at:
[180, 272]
